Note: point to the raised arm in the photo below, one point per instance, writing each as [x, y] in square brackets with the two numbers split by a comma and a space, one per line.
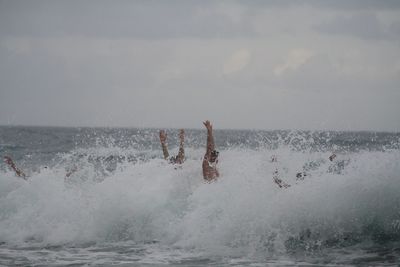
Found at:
[210, 160]
[8, 160]
[163, 140]
[210, 139]
[181, 153]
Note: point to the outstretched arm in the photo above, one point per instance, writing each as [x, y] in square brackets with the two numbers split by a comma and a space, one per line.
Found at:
[181, 153]
[210, 139]
[279, 181]
[210, 159]
[8, 160]
[163, 140]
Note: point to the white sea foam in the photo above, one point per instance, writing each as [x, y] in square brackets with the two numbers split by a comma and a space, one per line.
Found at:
[243, 213]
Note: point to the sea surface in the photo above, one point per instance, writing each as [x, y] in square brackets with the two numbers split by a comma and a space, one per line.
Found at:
[122, 204]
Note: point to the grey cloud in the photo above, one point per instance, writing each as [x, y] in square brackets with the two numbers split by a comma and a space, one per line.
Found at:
[319, 74]
[394, 29]
[362, 25]
[337, 4]
[157, 19]
[356, 4]
[80, 80]
[117, 19]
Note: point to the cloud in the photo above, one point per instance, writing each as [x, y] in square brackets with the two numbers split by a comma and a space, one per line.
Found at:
[140, 63]
[295, 59]
[355, 4]
[237, 62]
[394, 29]
[316, 73]
[360, 25]
[18, 46]
[324, 73]
[122, 19]
[157, 20]
[337, 4]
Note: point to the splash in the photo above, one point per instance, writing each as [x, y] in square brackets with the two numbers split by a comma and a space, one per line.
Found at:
[111, 189]
[141, 198]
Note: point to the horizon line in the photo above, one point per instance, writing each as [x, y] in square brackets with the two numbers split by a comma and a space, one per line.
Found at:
[190, 128]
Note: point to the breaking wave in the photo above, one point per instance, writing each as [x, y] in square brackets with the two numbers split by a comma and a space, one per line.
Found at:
[117, 195]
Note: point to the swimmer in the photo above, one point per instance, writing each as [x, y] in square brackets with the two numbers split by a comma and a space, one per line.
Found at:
[313, 166]
[275, 175]
[210, 159]
[338, 165]
[300, 176]
[8, 160]
[279, 181]
[71, 171]
[178, 159]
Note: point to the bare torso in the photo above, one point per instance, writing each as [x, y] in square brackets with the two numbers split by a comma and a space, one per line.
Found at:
[210, 171]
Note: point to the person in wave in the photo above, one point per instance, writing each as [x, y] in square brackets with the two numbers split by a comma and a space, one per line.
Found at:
[8, 160]
[275, 175]
[338, 165]
[279, 181]
[335, 167]
[178, 159]
[210, 160]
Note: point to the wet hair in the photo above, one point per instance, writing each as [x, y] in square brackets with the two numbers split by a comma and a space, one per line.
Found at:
[214, 153]
[173, 159]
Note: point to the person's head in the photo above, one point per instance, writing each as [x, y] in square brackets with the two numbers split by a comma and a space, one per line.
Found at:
[214, 156]
[173, 159]
[7, 160]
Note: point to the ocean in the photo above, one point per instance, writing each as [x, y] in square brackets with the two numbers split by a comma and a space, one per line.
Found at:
[122, 204]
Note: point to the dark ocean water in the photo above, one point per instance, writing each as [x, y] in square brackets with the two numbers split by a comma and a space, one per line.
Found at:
[125, 206]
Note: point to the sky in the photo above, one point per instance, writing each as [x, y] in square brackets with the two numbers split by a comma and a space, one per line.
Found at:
[305, 64]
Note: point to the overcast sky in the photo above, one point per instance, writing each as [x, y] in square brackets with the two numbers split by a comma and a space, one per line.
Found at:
[242, 64]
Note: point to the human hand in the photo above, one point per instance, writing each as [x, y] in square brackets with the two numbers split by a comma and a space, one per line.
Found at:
[208, 125]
